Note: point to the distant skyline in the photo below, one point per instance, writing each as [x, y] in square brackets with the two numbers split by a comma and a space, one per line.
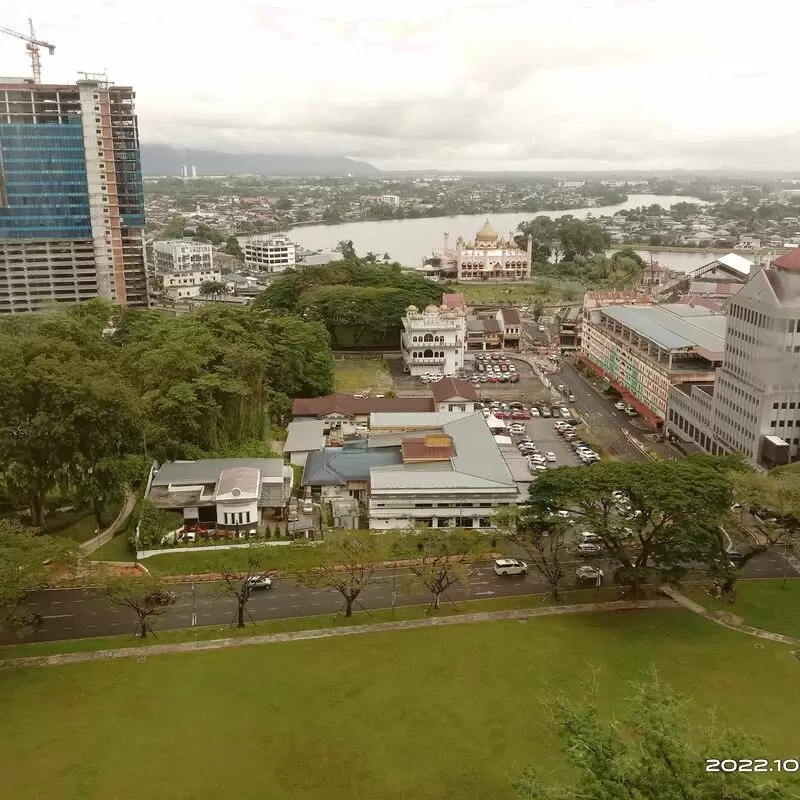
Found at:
[492, 85]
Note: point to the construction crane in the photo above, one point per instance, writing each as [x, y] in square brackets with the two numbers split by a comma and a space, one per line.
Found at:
[32, 46]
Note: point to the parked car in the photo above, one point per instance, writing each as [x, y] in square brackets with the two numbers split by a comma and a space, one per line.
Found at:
[545, 412]
[589, 549]
[510, 566]
[620, 406]
[513, 378]
[259, 582]
[589, 574]
[565, 413]
[537, 458]
[542, 329]
[550, 456]
[517, 430]
[588, 536]
[534, 410]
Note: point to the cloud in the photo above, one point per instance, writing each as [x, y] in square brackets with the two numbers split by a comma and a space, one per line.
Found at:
[494, 84]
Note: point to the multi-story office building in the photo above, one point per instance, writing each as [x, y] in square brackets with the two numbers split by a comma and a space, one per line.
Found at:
[643, 350]
[753, 406]
[182, 255]
[269, 253]
[433, 340]
[71, 197]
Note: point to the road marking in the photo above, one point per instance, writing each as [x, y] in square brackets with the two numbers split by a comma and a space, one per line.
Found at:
[295, 606]
[56, 602]
[480, 593]
[88, 626]
[206, 615]
[93, 613]
[316, 604]
[294, 595]
[56, 616]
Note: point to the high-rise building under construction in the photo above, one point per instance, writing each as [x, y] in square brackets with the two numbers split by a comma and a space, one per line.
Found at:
[71, 196]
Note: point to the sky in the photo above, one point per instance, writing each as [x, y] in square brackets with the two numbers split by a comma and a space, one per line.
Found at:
[424, 84]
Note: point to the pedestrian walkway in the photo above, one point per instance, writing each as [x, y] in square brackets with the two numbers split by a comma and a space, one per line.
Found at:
[726, 620]
[328, 633]
[98, 541]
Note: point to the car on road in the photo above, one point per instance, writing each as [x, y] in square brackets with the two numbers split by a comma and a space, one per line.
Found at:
[620, 406]
[259, 582]
[517, 430]
[589, 549]
[510, 566]
[542, 329]
[589, 574]
[550, 456]
[588, 536]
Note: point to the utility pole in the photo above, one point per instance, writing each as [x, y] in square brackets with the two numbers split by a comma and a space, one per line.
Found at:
[194, 610]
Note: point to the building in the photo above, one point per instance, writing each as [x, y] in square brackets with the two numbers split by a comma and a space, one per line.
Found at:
[226, 493]
[71, 195]
[644, 350]
[569, 329]
[493, 329]
[303, 437]
[487, 258]
[454, 395]
[182, 266]
[452, 474]
[268, 253]
[392, 200]
[753, 405]
[433, 340]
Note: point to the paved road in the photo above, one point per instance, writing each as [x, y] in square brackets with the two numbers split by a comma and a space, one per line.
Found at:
[81, 613]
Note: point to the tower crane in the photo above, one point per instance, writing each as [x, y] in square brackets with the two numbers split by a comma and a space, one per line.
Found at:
[32, 46]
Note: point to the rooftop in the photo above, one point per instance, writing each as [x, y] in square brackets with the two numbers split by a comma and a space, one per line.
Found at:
[511, 316]
[305, 435]
[431, 447]
[418, 419]
[448, 388]
[207, 470]
[349, 406]
[453, 300]
[790, 260]
[336, 466]
[673, 326]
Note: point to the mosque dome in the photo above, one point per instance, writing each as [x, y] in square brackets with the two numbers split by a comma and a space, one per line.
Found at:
[486, 234]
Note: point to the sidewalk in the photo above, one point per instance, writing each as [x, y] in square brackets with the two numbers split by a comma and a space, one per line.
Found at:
[727, 620]
[87, 548]
[328, 633]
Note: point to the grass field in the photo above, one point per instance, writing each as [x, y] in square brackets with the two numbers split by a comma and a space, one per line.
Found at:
[362, 375]
[773, 605]
[423, 714]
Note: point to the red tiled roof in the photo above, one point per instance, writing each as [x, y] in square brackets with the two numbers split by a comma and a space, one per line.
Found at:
[453, 300]
[450, 387]
[511, 316]
[790, 260]
[351, 406]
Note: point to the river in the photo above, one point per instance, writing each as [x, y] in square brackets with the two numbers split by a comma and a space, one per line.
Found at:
[410, 240]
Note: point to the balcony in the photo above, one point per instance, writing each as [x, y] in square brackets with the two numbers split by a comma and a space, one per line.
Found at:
[425, 361]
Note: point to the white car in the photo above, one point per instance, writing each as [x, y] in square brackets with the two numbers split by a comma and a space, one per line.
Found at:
[259, 582]
[517, 430]
[534, 411]
[620, 406]
[588, 536]
[537, 458]
[510, 566]
[550, 456]
[542, 329]
[589, 573]
[565, 413]
[589, 549]
[537, 467]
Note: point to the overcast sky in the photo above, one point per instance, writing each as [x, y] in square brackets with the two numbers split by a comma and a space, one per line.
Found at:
[497, 84]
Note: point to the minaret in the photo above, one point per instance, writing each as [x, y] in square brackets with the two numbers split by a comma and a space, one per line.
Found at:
[446, 240]
[530, 255]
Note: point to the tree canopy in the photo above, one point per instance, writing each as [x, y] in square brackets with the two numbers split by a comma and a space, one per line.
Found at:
[358, 300]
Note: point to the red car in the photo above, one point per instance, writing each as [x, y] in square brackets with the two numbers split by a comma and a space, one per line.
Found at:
[494, 379]
[501, 414]
[503, 368]
[513, 378]
[520, 415]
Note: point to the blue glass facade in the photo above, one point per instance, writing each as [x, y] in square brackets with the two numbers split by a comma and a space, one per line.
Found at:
[43, 187]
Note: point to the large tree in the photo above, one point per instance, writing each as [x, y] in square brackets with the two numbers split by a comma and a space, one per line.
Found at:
[440, 558]
[344, 563]
[237, 583]
[653, 753]
[27, 563]
[652, 519]
[63, 409]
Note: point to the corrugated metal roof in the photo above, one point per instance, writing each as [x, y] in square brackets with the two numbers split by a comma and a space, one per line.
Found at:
[687, 328]
[420, 419]
[477, 463]
[336, 466]
[304, 435]
[208, 470]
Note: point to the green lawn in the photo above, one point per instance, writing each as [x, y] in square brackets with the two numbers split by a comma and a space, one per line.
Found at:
[362, 375]
[117, 549]
[423, 714]
[516, 294]
[773, 605]
[80, 524]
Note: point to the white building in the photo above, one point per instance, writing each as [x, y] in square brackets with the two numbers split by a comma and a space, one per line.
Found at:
[753, 406]
[433, 340]
[268, 253]
[183, 266]
[451, 475]
[390, 200]
[487, 258]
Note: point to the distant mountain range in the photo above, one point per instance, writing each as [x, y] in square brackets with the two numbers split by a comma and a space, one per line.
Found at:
[166, 160]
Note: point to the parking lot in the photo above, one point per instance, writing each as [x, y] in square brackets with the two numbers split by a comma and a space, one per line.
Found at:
[547, 440]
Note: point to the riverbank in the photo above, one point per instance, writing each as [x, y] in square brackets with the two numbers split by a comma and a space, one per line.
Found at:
[687, 249]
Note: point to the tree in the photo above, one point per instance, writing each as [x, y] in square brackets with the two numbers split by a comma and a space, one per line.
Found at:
[345, 247]
[581, 238]
[238, 583]
[213, 289]
[345, 563]
[543, 541]
[776, 498]
[653, 754]
[652, 519]
[233, 248]
[152, 525]
[439, 558]
[284, 204]
[27, 560]
[146, 596]
[175, 228]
